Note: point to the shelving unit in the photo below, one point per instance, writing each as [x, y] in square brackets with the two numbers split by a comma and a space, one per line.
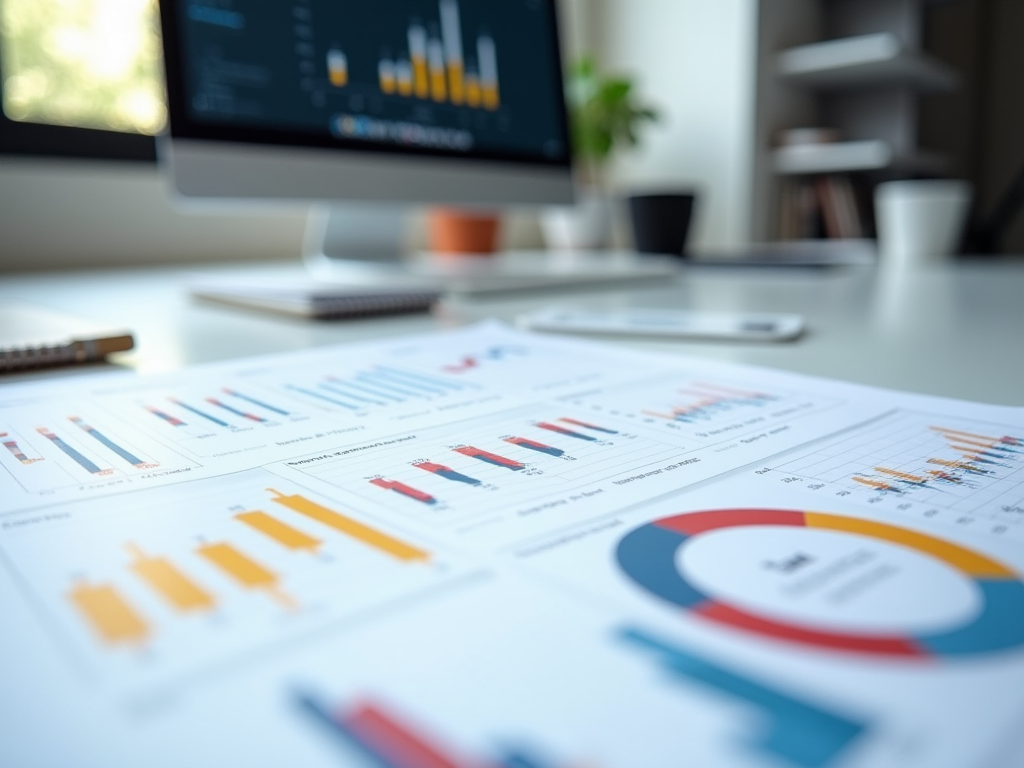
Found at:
[853, 156]
[864, 61]
[853, 65]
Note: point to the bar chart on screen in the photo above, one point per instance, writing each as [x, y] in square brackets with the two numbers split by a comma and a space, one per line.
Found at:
[965, 473]
[706, 411]
[431, 60]
[56, 446]
[456, 475]
[212, 570]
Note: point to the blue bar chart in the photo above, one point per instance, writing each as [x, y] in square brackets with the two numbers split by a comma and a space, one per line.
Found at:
[46, 450]
[799, 732]
[122, 452]
[376, 389]
[74, 454]
[213, 417]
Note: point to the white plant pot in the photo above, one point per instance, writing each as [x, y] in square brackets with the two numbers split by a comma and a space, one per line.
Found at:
[586, 226]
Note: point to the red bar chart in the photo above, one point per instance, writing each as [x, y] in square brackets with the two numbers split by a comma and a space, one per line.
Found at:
[514, 456]
[490, 458]
[405, 490]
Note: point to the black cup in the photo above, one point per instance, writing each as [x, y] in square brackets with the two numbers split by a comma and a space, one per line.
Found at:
[661, 222]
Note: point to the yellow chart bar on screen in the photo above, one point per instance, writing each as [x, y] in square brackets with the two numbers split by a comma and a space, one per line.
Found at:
[404, 77]
[110, 615]
[421, 78]
[438, 76]
[491, 97]
[282, 533]
[474, 96]
[245, 571]
[451, 33]
[456, 84]
[387, 77]
[346, 525]
[487, 54]
[337, 68]
[171, 583]
[418, 57]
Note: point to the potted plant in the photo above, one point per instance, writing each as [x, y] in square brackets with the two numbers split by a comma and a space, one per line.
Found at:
[606, 116]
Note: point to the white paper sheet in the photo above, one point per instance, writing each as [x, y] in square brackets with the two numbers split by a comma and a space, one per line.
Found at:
[481, 538]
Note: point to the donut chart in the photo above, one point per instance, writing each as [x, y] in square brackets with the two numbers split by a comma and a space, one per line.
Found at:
[647, 555]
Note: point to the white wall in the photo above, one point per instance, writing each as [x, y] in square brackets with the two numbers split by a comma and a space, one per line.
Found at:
[782, 24]
[83, 214]
[695, 59]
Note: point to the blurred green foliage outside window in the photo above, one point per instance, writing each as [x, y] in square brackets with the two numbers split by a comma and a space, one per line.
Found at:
[83, 63]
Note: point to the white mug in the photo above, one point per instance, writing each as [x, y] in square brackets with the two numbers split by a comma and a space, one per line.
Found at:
[921, 222]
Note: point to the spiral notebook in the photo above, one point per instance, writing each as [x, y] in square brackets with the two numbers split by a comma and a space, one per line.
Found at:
[36, 337]
[318, 301]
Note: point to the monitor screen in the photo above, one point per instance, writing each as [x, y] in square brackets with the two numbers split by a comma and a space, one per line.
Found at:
[467, 78]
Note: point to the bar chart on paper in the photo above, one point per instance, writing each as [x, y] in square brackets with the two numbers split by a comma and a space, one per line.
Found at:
[513, 456]
[52, 447]
[210, 418]
[535, 365]
[702, 410]
[212, 570]
[968, 474]
[375, 389]
[370, 729]
[288, 405]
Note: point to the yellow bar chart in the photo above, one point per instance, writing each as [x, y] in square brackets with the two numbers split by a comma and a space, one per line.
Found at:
[245, 571]
[337, 67]
[170, 582]
[418, 56]
[204, 573]
[109, 614]
[282, 533]
[388, 76]
[451, 30]
[363, 533]
[435, 67]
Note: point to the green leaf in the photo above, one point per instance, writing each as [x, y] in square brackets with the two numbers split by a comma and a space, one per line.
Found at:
[605, 112]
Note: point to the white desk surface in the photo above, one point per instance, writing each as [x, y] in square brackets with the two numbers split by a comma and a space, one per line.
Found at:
[956, 331]
[953, 331]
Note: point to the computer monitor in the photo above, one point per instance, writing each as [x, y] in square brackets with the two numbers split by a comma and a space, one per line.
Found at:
[401, 101]
[358, 104]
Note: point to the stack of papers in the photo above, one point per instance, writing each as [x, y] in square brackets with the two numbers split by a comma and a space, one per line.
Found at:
[492, 548]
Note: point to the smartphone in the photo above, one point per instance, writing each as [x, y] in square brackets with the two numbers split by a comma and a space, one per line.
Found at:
[668, 323]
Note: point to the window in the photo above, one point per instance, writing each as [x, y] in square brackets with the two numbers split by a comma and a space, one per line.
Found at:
[80, 77]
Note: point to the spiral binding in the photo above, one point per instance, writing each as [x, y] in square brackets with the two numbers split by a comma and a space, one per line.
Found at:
[24, 358]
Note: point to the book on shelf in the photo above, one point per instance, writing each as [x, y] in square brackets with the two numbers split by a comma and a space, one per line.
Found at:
[829, 206]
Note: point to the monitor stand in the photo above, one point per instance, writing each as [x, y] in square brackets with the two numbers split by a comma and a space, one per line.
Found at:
[352, 240]
[367, 245]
